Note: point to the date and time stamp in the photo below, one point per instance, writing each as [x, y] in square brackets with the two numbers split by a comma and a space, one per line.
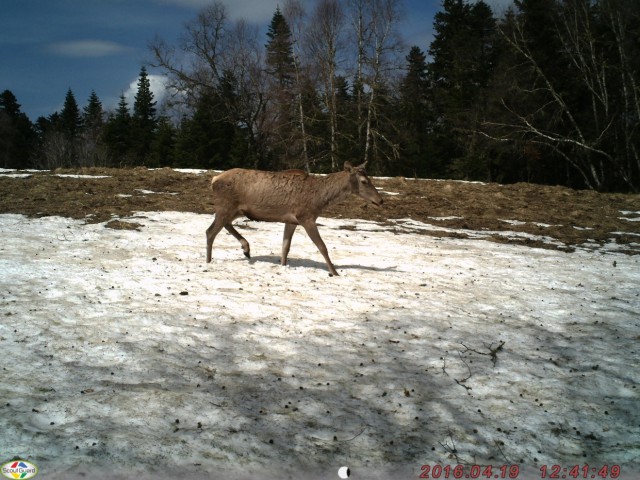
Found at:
[513, 472]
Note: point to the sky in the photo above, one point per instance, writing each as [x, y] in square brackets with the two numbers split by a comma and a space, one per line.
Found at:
[47, 47]
[123, 352]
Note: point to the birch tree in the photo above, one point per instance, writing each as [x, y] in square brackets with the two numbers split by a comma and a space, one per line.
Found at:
[378, 58]
[325, 45]
[593, 125]
[296, 16]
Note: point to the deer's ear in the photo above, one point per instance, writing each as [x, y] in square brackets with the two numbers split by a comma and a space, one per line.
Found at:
[361, 167]
[348, 167]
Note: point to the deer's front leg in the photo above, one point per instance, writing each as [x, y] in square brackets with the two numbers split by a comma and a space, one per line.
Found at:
[289, 228]
[312, 231]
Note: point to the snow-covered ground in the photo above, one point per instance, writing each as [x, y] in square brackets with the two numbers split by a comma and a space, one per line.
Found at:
[123, 355]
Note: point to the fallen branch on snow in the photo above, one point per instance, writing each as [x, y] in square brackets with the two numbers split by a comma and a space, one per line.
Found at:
[493, 352]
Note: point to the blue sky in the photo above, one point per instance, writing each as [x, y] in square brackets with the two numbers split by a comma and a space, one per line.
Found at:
[49, 46]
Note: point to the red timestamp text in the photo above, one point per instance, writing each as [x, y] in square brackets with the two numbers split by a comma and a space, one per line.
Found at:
[580, 471]
[470, 471]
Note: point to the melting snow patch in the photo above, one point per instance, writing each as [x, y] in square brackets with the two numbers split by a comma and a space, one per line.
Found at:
[413, 226]
[441, 219]
[125, 353]
[195, 171]
[537, 224]
[632, 234]
[513, 222]
[15, 175]
[69, 175]
[23, 173]
[627, 214]
[151, 192]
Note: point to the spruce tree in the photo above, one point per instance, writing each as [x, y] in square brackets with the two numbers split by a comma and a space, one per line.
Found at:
[163, 146]
[463, 60]
[93, 115]
[205, 139]
[144, 118]
[70, 119]
[93, 152]
[280, 51]
[415, 116]
[17, 134]
[118, 134]
[539, 20]
[60, 145]
[281, 69]
[144, 106]
[9, 104]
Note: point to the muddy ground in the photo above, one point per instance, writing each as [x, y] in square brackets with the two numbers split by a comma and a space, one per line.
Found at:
[571, 217]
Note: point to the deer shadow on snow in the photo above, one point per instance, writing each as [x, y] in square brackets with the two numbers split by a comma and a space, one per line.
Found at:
[306, 263]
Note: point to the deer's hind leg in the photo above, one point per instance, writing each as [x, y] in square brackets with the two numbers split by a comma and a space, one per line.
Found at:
[245, 245]
[220, 221]
[212, 232]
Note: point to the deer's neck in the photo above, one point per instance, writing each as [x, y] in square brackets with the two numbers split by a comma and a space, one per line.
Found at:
[334, 188]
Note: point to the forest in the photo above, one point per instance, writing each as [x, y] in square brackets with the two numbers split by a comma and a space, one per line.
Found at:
[545, 92]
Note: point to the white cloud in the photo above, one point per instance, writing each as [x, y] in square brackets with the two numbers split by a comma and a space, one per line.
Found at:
[86, 48]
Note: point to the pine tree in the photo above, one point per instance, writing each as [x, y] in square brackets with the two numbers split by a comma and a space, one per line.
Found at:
[463, 60]
[415, 116]
[144, 118]
[93, 115]
[92, 151]
[205, 140]
[118, 134]
[9, 104]
[144, 107]
[60, 144]
[280, 51]
[163, 146]
[282, 124]
[17, 134]
[70, 119]
[539, 18]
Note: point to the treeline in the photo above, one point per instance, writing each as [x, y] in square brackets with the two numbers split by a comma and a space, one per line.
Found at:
[83, 138]
[547, 92]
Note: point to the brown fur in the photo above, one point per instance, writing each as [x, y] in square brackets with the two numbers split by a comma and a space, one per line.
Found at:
[292, 197]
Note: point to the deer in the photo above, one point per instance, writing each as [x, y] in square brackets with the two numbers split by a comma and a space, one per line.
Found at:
[292, 197]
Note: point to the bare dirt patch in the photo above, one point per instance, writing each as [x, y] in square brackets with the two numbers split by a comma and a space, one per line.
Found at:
[571, 217]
